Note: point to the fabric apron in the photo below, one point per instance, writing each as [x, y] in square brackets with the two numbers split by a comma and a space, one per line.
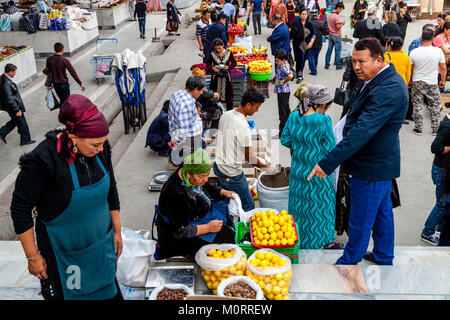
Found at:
[82, 238]
[219, 211]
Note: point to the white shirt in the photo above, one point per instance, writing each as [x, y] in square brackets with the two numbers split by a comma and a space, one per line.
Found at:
[233, 137]
[309, 5]
[425, 63]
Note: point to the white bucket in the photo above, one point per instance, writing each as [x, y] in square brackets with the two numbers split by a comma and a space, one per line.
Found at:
[276, 198]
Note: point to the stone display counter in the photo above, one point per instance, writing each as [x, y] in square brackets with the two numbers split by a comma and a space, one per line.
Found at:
[111, 18]
[26, 66]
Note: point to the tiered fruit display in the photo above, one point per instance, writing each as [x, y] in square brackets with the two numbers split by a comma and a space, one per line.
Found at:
[257, 56]
[220, 257]
[260, 66]
[271, 229]
[272, 272]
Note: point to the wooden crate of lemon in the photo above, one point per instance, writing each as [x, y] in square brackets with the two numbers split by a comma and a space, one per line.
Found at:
[260, 70]
[272, 271]
[219, 262]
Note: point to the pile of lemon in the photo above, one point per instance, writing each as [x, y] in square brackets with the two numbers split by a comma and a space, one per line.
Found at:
[273, 283]
[271, 229]
[213, 278]
[260, 66]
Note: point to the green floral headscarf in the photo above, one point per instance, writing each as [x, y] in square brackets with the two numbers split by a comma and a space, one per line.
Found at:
[197, 162]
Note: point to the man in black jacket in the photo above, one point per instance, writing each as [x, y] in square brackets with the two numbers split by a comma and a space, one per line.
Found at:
[140, 12]
[370, 153]
[370, 27]
[403, 18]
[13, 104]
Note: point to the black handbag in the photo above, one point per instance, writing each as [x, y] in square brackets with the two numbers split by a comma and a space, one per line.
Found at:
[395, 195]
[341, 96]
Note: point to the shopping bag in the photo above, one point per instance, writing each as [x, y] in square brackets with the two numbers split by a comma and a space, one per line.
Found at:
[263, 21]
[341, 95]
[52, 100]
[133, 264]
[241, 12]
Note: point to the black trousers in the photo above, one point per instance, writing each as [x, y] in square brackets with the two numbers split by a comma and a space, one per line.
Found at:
[409, 113]
[62, 90]
[20, 123]
[283, 109]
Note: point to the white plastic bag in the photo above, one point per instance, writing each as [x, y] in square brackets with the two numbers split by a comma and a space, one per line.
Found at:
[263, 21]
[235, 207]
[132, 267]
[243, 42]
[132, 293]
[172, 286]
[49, 99]
[241, 12]
[247, 280]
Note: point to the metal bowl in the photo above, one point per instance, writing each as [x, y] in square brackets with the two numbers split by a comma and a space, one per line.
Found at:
[161, 176]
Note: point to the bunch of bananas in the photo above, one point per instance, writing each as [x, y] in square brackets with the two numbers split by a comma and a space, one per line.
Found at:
[260, 49]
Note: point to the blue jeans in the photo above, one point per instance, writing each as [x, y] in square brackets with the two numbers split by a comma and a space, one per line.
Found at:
[62, 90]
[435, 217]
[141, 22]
[239, 185]
[313, 59]
[370, 211]
[334, 42]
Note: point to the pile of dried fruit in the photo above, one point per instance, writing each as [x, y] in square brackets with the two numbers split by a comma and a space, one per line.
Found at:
[171, 294]
[240, 289]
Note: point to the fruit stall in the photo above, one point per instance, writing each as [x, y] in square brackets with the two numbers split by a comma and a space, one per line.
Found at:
[111, 13]
[23, 58]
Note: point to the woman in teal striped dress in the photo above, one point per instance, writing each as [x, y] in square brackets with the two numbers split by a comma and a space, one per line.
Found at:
[309, 135]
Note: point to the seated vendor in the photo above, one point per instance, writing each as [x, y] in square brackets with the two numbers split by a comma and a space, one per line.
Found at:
[191, 213]
[158, 133]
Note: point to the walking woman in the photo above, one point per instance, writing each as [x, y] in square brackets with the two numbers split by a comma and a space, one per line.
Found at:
[290, 7]
[173, 21]
[391, 28]
[301, 46]
[221, 61]
[69, 179]
[309, 135]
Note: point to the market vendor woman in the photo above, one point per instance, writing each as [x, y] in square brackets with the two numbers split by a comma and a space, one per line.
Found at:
[191, 214]
[69, 179]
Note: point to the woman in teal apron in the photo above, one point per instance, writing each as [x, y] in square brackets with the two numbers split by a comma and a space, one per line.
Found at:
[69, 179]
[192, 212]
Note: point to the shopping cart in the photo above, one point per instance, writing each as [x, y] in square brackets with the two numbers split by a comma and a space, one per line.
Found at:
[102, 60]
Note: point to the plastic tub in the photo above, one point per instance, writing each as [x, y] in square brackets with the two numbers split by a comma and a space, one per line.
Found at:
[260, 76]
[271, 195]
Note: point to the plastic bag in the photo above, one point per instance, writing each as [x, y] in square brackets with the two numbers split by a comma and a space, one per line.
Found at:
[173, 286]
[263, 21]
[214, 269]
[132, 267]
[274, 281]
[243, 42]
[49, 99]
[132, 293]
[235, 207]
[247, 280]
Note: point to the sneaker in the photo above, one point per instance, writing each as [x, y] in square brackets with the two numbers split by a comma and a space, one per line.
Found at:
[334, 246]
[327, 67]
[417, 132]
[27, 143]
[339, 68]
[431, 239]
[434, 132]
[299, 79]
[143, 36]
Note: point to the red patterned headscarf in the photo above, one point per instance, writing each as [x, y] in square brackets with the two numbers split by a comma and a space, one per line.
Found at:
[81, 118]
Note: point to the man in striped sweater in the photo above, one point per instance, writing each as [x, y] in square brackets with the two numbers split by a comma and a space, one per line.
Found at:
[201, 31]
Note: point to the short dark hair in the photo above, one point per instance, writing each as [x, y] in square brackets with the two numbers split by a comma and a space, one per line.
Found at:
[427, 26]
[303, 9]
[252, 95]
[11, 3]
[427, 35]
[166, 106]
[339, 5]
[10, 67]
[442, 16]
[277, 17]
[221, 16]
[195, 82]
[217, 42]
[205, 12]
[396, 43]
[447, 25]
[281, 55]
[403, 4]
[371, 44]
[58, 47]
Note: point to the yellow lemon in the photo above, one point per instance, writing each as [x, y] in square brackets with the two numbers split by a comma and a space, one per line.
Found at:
[227, 255]
[286, 297]
[209, 284]
[264, 263]
[260, 224]
[276, 290]
[291, 242]
[212, 252]
[215, 291]
[286, 276]
[206, 278]
[208, 272]
[240, 273]
[258, 242]
[287, 234]
[265, 223]
[270, 229]
[260, 255]
[283, 228]
[263, 230]
[268, 255]
[216, 256]
[282, 284]
[284, 290]
[260, 236]
[215, 284]
[284, 242]
[217, 273]
[276, 227]
[276, 259]
[283, 212]
[270, 296]
[277, 242]
[267, 236]
[273, 236]
[233, 269]
[271, 242]
[280, 235]
[262, 284]
[278, 297]
[256, 262]
[274, 283]
[271, 212]
[264, 242]
[258, 214]
[219, 253]
[267, 280]
[279, 276]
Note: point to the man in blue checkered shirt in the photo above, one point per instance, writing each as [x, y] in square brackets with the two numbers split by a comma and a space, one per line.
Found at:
[185, 124]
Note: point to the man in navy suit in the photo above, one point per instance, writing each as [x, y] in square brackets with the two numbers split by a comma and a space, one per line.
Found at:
[370, 153]
[217, 30]
[280, 37]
